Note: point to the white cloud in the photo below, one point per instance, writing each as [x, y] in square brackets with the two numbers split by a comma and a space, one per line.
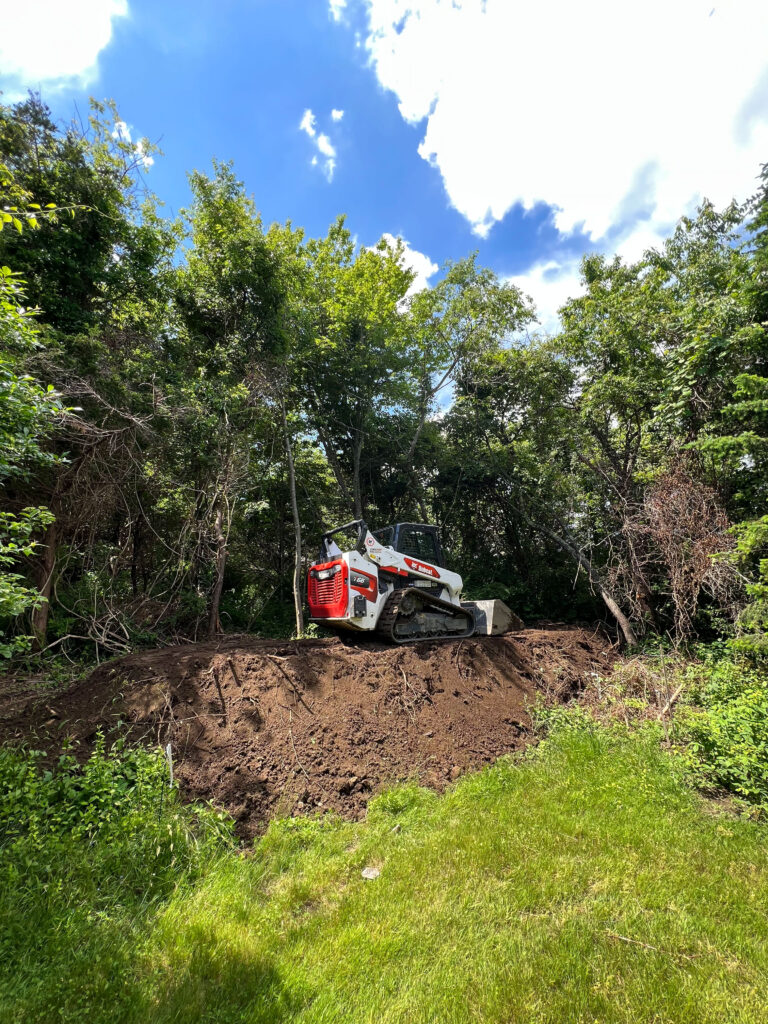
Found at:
[336, 115]
[307, 123]
[145, 158]
[550, 284]
[418, 262]
[122, 132]
[617, 115]
[56, 44]
[337, 8]
[321, 141]
[325, 146]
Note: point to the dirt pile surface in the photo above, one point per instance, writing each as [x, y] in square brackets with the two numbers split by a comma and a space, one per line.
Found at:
[275, 727]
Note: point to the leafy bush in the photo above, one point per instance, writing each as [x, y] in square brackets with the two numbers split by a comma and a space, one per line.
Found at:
[85, 852]
[725, 726]
[119, 798]
[553, 718]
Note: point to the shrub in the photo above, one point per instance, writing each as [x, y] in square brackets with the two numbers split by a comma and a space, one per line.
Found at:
[89, 847]
[725, 726]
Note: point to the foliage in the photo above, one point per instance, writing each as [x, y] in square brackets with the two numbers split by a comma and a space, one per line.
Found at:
[586, 879]
[750, 552]
[87, 852]
[77, 266]
[595, 473]
[16, 541]
[26, 407]
[724, 724]
[27, 412]
[119, 797]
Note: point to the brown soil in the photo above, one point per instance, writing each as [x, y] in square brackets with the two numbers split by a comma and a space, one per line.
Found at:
[267, 726]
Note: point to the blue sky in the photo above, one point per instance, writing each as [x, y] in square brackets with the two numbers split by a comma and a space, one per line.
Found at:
[531, 132]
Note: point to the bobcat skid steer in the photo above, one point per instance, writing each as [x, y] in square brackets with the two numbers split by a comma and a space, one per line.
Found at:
[393, 582]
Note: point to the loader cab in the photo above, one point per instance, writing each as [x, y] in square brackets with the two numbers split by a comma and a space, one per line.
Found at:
[416, 540]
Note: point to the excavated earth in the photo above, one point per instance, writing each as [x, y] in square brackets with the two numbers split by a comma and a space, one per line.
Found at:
[265, 727]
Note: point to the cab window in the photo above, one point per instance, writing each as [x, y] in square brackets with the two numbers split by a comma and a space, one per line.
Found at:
[418, 544]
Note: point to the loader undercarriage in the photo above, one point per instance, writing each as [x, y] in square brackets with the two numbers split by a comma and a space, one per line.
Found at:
[413, 614]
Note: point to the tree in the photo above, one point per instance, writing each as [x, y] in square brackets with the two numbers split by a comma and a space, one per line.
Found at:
[228, 296]
[27, 412]
[355, 365]
[96, 266]
[511, 423]
[81, 266]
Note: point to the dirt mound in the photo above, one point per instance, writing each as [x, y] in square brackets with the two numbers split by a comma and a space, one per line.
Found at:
[265, 727]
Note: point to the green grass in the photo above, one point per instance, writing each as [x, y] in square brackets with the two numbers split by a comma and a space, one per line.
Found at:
[501, 901]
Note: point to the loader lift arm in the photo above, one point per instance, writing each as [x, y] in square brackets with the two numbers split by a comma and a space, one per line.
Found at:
[358, 524]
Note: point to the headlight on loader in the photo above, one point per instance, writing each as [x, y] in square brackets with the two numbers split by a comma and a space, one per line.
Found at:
[326, 574]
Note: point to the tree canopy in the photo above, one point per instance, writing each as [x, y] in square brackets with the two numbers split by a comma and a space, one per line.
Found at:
[185, 404]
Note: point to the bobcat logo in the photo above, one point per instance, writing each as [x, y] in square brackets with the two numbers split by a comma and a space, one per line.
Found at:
[430, 570]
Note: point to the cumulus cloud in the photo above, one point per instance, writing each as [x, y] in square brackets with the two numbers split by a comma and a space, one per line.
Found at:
[327, 149]
[418, 262]
[322, 143]
[56, 44]
[307, 123]
[550, 284]
[618, 116]
[336, 115]
[325, 146]
[337, 8]
[122, 132]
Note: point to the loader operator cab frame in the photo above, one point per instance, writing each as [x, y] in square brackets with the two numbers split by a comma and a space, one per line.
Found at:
[417, 540]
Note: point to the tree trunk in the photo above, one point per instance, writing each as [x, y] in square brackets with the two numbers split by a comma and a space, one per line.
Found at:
[330, 454]
[416, 435]
[586, 564]
[214, 623]
[297, 600]
[356, 458]
[45, 585]
[135, 557]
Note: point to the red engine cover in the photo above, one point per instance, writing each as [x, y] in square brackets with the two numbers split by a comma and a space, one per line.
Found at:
[328, 598]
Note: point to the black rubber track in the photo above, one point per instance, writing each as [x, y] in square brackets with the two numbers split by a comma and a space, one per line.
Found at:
[389, 616]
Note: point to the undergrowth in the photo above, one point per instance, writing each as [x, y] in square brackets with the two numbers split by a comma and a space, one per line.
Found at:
[580, 882]
[87, 855]
[723, 724]
[713, 711]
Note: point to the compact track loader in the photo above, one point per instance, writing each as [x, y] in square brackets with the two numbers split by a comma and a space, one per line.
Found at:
[393, 582]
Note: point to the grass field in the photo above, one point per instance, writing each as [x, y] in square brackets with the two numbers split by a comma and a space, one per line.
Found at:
[583, 883]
